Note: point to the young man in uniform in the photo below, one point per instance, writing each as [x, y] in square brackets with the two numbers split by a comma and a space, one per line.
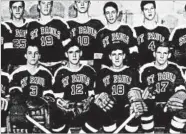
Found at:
[28, 84]
[84, 30]
[164, 92]
[74, 82]
[115, 32]
[50, 33]
[18, 26]
[121, 83]
[150, 33]
[4, 100]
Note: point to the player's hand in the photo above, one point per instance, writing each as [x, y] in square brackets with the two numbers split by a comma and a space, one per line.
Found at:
[138, 107]
[4, 104]
[104, 101]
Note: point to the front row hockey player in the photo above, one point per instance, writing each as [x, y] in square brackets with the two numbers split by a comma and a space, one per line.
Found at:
[28, 83]
[164, 92]
[121, 83]
[74, 85]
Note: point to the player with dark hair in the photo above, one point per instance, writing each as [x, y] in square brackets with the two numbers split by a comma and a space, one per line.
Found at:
[84, 30]
[28, 84]
[115, 32]
[4, 100]
[121, 83]
[50, 33]
[164, 92]
[74, 82]
[18, 25]
[150, 33]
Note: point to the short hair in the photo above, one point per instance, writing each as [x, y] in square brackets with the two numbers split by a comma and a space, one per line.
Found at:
[117, 46]
[32, 45]
[167, 44]
[110, 4]
[72, 43]
[12, 2]
[144, 2]
[51, 2]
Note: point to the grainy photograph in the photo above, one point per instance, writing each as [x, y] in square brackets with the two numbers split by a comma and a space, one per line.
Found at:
[87, 66]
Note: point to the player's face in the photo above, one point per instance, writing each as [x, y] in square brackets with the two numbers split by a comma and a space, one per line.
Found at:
[111, 15]
[149, 11]
[162, 55]
[45, 7]
[32, 55]
[117, 58]
[74, 54]
[82, 6]
[17, 10]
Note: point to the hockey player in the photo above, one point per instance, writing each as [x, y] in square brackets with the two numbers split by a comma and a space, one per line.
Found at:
[150, 33]
[50, 33]
[28, 84]
[17, 24]
[164, 92]
[4, 100]
[84, 30]
[115, 32]
[121, 83]
[6, 44]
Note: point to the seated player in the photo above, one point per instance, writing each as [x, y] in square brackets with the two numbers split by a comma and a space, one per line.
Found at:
[164, 92]
[50, 33]
[150, 32]
[4, 101]
[28, 84]
[116, 32]
[121, 83]
[74, 82]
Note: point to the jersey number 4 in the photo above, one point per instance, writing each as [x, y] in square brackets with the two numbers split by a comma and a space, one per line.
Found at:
[77, 89]
[151, 46]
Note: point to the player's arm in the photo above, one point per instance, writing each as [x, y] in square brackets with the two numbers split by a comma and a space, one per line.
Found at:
[98, 47]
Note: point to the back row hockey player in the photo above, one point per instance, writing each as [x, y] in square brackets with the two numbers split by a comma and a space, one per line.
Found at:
[150, 33]
[28, 83]
[18, 26]
[163, 84]
[121, 82]
[50, 33]
[4, 100]
[115, 32]
[84, 30]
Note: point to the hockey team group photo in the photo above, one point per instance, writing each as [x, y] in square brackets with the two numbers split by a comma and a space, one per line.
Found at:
[84, 66]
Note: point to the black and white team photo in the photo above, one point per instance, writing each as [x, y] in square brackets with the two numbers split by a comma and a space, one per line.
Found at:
[84, 66]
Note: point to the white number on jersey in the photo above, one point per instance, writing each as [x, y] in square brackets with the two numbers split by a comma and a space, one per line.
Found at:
[83, 40]
[77, 89]
[118, 89]
[151, 46]
[19, 43]
[34, 90]
[46, 40]
[161, 86]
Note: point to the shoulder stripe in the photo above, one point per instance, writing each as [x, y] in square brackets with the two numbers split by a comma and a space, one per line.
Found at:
[20, 69]
[45, 69]
[60, 68]
[174, 31]
[5, 74]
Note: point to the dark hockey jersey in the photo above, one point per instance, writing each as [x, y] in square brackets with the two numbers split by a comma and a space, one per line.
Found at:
[32, 84]
[4, 84]
[147, 39]
[75, 84]
[19, 34]
[178, 38]
[49, 38]
[117, 82]
[164, 82]
[6, 44]
[85, 35]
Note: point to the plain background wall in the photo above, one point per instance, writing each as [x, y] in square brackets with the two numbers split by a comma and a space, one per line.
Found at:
[170, 13]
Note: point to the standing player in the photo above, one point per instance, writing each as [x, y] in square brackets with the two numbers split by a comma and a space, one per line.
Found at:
[4, 101]
[6, 44]
[163, 84]
[49, 33]
[84, 30]
[74, 82]
[115, 32]
[120, 82]
[18, 25]
[28, 83]
[150, 33]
